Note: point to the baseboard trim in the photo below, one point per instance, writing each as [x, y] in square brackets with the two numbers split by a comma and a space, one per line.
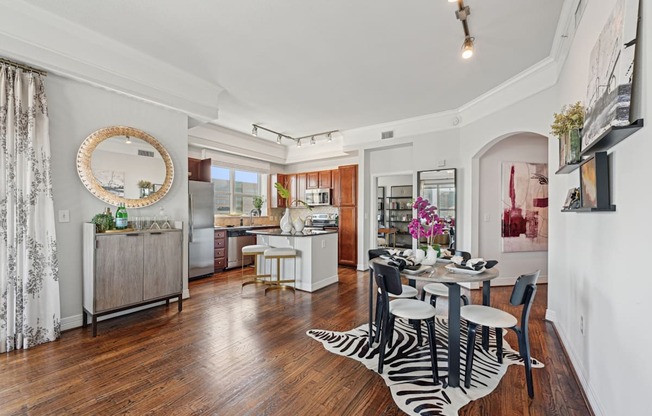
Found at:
[589, 396]
[320, 284]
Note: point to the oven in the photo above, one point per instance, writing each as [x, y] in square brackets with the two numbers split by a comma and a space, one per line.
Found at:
[321, 196]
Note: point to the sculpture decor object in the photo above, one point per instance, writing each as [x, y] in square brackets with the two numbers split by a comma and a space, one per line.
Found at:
[286, 220]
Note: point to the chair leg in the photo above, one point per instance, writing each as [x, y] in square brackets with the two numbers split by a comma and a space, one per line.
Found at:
[524, 349]
[433, 349]
[423, 295]
[499, 345]
[470, 348]
[379, 317]
[417, 326]
[465, 299]
[433, 301]
[390, 329]
[382, 346]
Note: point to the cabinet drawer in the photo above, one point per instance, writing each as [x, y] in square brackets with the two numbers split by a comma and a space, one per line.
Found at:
[220, 263]
[219, 253]
[220, 243]
[220, 234]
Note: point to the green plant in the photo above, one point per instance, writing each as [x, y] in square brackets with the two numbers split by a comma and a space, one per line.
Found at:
[143, 184]
[284, 193]
[258, 201]
[103, 222]
[570, 117]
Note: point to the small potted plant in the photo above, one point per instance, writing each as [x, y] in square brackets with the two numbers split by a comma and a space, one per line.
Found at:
[566, 126]
[258, 202]
[145, 187]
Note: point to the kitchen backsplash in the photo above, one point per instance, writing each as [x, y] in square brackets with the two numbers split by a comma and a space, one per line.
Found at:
[274, 216]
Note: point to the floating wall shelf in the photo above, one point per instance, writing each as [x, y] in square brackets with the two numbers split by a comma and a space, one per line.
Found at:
[610, 208]
[568, 168]
[611, 137]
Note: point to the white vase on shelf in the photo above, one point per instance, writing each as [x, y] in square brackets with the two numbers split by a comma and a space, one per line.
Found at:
[286, 222]
[298, 224]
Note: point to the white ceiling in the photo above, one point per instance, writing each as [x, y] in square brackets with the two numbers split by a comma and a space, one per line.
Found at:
[300, 67]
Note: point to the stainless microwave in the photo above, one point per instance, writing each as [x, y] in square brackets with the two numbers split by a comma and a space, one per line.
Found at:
[320, 196]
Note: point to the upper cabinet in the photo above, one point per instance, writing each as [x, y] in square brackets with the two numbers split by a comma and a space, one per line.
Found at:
[335, 182]
[199, 170]
[317, 180]
[275, 200]
[348, 182]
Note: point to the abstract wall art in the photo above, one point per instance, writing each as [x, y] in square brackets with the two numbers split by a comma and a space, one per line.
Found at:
[525, 206]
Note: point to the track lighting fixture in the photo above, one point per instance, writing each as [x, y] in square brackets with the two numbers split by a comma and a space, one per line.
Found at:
[281, 136]
[462, 13]
[127, 140]
[467, 48]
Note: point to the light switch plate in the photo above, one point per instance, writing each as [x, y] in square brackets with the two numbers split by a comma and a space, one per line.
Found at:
[64, 215]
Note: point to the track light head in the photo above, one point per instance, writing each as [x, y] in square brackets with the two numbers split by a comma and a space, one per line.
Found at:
[330, 137]
[254, 131]
[467, 48]
[278, 139]
[299, 143]
[312, 140]
[127, 140]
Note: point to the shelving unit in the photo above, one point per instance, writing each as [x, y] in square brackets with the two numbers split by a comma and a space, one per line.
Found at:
[399, 216]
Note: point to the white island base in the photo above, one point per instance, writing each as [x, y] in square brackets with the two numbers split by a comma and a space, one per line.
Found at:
[315, 266]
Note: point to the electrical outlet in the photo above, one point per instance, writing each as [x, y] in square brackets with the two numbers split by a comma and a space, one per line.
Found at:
[582, 324]
[486, 217]
[64, 215]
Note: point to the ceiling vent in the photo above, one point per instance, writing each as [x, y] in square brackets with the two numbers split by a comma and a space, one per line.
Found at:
[387, 135]
[146, 153]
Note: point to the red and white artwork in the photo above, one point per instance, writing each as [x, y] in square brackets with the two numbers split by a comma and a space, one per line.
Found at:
[525, 206]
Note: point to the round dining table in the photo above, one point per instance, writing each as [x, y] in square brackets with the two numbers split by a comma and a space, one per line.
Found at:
[452, 279]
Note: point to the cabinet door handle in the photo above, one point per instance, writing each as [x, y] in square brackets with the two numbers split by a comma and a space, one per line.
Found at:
[133, 235]
[155, 233]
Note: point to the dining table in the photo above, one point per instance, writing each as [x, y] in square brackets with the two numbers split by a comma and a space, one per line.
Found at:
[451, 278]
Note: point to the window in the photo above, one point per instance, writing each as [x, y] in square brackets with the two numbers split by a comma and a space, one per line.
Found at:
[235, 189]
[443, 197]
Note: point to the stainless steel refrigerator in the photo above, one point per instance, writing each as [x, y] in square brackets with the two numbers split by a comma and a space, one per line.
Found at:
[201, 234]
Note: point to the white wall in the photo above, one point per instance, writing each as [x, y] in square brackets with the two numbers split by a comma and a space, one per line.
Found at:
[521, 147]
[595, 258]
[77, 110]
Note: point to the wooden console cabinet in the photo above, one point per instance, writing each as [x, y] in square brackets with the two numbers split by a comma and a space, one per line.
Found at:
[347, 183]
[123, 270]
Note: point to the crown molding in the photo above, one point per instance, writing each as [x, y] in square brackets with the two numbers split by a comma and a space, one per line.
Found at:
[527, 83]
[44, 40]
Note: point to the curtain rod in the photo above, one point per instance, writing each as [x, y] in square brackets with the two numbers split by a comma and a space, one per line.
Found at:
[23, 66]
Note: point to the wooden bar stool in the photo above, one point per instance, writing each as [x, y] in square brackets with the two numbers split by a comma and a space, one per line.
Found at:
[279, 254]
[254, 250]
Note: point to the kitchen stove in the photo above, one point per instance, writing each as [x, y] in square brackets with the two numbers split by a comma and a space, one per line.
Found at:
[321, 221]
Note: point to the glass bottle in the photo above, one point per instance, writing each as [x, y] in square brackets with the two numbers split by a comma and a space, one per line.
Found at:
[121, 217]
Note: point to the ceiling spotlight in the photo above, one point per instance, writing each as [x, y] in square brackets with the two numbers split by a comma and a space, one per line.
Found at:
[254, 131]
[278, 139]
[312, 140]
[467, 47]
[452, 1]
[330, 137]
[128, 140]
[299, 143]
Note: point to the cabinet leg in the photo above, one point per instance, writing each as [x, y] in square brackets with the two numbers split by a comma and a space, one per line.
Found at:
[84, 319]
[94, 326]
[180, 303]
[167, 302]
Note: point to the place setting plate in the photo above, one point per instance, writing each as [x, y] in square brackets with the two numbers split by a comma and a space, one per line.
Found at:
[454, 269]
[422, 269]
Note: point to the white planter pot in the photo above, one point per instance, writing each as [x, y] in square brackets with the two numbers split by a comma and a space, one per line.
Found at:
[286, 222]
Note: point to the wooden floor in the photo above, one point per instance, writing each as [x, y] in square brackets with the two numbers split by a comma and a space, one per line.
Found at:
[233, 353]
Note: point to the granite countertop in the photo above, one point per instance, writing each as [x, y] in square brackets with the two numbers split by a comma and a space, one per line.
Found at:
[277, 231]
[245, 227]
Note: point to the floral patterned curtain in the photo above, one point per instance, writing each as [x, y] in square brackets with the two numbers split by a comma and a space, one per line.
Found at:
[29, 285]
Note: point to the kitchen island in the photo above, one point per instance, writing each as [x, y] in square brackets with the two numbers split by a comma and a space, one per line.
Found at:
[315, 266]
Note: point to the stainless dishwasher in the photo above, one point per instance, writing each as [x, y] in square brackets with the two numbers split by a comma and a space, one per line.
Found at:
[236, 239]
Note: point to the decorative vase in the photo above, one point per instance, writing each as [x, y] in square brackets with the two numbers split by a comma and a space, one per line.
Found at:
[298, 224]
[419, 255]
[144, 192]
[286, 221]
[574, 139]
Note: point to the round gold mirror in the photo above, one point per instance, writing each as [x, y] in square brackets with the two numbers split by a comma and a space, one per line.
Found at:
[123, 164]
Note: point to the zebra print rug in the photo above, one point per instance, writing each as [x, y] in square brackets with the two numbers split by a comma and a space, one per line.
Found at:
[407, 369]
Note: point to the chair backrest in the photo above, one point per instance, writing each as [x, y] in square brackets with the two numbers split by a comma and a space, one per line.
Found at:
[520, 288]
[388, 278]
[377, 252]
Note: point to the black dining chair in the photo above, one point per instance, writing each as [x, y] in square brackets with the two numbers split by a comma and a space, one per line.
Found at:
[388, 279]
[522, 294]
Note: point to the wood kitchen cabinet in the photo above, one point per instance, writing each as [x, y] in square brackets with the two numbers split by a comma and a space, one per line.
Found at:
[275, 200]
[335, 182]
[292, 187]
[317, 180]
[220, 248]
[325, 179]
[123, 270]
[199, 170]
[313, 180]
[302, 179]
[348, 227]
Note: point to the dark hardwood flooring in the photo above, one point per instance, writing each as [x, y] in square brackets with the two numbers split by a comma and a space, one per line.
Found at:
[241, 353]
